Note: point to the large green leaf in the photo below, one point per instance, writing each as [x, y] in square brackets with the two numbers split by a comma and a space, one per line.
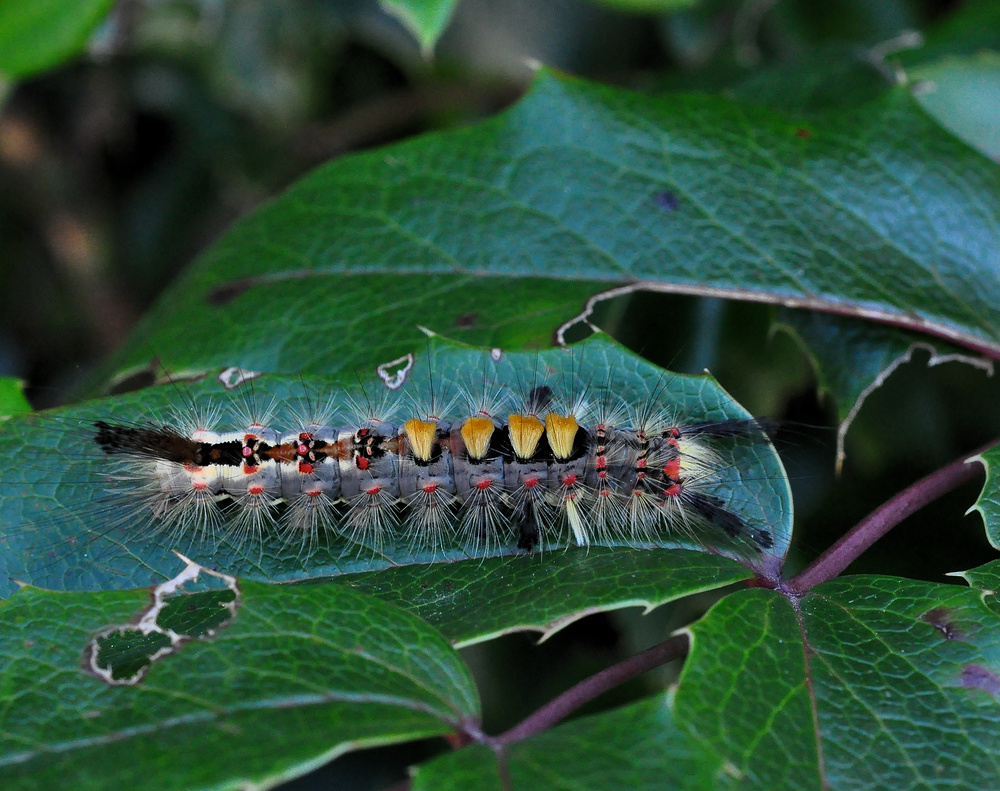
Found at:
[872, 683]
[295, 678]
[38, 34]
[73, 520]
[496, 233]
[869, 683]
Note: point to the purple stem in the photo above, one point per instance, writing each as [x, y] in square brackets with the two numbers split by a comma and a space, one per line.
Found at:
[882, 520]
[569, 701]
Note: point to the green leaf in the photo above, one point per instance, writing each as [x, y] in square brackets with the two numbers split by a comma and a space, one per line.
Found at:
[495, 234]
[988, 502]
[963, 94]
[12, 400]
[426, 19]
[296, 678]
[876, 683]
[39, 34]
[634, 748]
[72, 519]
[473, 602]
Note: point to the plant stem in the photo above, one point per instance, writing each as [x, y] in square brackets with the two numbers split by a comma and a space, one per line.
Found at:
[559, 708]
[882, 520]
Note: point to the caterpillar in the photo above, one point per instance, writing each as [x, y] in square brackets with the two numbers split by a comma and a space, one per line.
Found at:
[452, 454]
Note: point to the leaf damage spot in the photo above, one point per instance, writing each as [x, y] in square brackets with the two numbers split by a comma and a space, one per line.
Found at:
[466, 320]
[395, 372]
[667, 200]
[979, 677]
[148, 375]
[224, 293]
[227, 292]
[233, 377]
[941, 619]
[130, 381]
[729, 771]
[879, 55]
[121, 655]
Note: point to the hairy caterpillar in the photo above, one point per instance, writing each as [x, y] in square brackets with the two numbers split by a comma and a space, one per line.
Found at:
[453, 454]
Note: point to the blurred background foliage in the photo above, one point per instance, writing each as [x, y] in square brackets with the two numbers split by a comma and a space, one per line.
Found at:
[178, 116]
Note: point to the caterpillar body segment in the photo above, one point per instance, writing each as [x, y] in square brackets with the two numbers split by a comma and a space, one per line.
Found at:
[528, 479]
